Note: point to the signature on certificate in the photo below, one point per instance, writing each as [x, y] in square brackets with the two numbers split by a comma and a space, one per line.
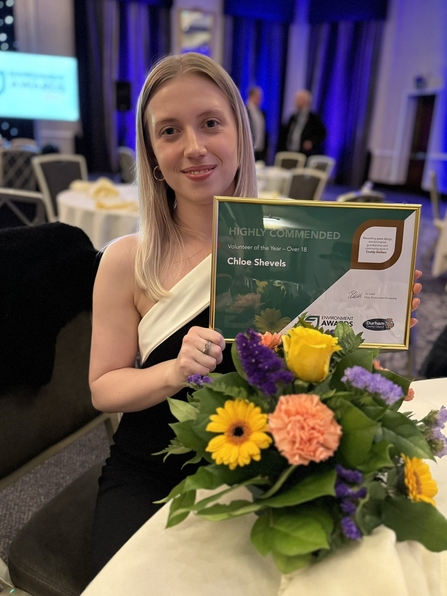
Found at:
[353, 294]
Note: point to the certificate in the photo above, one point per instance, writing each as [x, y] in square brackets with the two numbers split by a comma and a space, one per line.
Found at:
[276, 260]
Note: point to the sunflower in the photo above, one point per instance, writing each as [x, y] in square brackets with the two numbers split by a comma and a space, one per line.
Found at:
[243, 427]
[419, 481]
[270, 320]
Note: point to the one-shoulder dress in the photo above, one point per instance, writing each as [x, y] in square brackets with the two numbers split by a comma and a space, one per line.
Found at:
[133, 477]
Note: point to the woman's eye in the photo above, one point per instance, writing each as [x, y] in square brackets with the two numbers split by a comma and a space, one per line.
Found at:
[170, 130]
[211, 123]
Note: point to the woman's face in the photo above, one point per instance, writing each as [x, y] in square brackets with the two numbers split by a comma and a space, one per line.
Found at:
[194, 138]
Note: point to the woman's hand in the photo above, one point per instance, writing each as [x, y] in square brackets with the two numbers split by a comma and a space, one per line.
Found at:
[417, 287]
[200, 353]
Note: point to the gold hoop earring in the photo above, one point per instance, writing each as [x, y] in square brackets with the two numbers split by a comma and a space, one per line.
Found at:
[155, 177]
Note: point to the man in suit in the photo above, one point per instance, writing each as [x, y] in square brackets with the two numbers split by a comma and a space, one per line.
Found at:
[257, 122]
[304, 132]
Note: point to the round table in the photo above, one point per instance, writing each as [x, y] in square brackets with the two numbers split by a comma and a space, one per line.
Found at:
[117, 216]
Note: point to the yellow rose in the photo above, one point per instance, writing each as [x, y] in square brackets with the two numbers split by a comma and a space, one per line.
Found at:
[308, 353]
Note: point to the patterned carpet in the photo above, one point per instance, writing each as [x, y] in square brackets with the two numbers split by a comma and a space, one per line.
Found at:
[19, 501]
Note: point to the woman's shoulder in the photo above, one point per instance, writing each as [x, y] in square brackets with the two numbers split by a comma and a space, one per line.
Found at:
[119, 255]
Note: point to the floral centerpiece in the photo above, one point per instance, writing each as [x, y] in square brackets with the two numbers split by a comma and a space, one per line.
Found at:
[314, 429]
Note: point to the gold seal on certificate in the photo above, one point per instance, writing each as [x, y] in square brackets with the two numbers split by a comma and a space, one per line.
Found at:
[275, 261]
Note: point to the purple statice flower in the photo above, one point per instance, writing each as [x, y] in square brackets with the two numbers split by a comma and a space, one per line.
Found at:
[342, 490]
[350, 528]
[264, 369]
[438, 442]
[360, 378]
[434, 422]
[348, 507]
[199, 380]
[352, 476]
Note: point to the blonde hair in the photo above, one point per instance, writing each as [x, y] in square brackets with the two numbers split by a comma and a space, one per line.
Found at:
[159, 237]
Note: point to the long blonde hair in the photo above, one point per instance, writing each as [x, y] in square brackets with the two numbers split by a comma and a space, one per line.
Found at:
[159, 237]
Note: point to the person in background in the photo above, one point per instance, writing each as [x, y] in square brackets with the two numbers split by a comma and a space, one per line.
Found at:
[304, 132]
[152, 290]
[256, 117]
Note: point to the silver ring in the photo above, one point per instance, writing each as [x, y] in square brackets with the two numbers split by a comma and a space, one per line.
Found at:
[207, 348]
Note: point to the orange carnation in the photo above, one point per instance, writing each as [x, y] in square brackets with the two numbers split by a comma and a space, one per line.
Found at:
[271, 340]
[304, 429]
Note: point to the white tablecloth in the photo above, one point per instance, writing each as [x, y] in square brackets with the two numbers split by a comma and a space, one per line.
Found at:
[201, 558]
[101, 225]
[273, 179]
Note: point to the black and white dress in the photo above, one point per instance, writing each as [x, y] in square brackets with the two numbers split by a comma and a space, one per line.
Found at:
[133, 477]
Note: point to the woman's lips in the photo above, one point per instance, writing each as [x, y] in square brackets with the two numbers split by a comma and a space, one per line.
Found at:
[198, 173]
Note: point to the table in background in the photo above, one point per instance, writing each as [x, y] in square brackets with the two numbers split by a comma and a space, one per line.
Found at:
[100, 224]
[273, 179]
[202, 558]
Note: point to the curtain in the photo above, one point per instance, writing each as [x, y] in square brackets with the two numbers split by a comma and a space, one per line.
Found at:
[257, 56]
[115, 41]
[342, 68]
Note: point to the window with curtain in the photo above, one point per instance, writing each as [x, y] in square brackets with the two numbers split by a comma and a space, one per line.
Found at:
[343, 61]
[256, 37]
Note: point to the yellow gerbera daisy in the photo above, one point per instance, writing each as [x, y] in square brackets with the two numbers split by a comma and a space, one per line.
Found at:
[243, 427]
[419, 481]
[270, 320]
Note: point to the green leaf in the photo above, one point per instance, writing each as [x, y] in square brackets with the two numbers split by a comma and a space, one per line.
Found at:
[369, 511]
[300, 530]
[182, 410]
[347, 339]
[402, 432]
[416, 521]
[290, 564]
[183, 501]
[187, 437]
[282, 478]
[378, 458]
[236, 508]
[312, 487]
[358, 432]
[261, 534]
[237, 362]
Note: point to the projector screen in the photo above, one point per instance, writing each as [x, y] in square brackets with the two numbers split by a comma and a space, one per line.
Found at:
[38, 87]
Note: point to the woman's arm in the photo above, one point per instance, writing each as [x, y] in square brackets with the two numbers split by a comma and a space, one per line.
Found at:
[115, 384]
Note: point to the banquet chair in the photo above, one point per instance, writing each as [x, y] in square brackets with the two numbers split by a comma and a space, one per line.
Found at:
[306, 184]
[359, 196]
[21, 208]
[324, 163]
[436, 218]
[45, 317]
[290, 159]
[126, 160]
[54, 173]
[16, 170]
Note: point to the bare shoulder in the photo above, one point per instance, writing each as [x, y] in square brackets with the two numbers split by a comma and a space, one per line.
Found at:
[119, 255]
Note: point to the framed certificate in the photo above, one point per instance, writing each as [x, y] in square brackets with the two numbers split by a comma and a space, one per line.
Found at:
[276, 260]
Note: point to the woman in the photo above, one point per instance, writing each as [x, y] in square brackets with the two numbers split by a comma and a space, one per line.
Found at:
[152, 289]
[151, 293]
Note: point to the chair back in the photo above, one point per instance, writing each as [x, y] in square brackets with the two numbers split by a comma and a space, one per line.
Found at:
[290, 159]
[359, 196]
[324, 163]
[16, 169]
[47, 277]
[126, 160]
[306, 184]
[55, 172]
[21, 208]
[434, 199]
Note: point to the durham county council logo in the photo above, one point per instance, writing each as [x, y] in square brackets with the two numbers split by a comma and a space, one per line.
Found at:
[379, 324]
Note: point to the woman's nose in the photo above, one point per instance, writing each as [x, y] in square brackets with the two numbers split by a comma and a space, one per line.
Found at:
[194, 144]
